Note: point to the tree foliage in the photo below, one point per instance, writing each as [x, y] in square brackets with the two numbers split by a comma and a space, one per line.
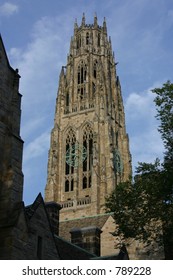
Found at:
[143, 208]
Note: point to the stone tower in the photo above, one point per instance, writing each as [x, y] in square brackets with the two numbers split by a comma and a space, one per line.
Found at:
[89, 151]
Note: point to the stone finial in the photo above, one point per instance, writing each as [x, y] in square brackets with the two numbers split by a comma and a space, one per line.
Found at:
[75, 24]
[95, 20]
[83, 19]
[104, 25]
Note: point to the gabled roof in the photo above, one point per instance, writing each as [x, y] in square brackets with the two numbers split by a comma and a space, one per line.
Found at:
[2, 49]
[30, 209]
[122, 255]
[97, 221]
[65, 249]
[69, 251]
[4, 54]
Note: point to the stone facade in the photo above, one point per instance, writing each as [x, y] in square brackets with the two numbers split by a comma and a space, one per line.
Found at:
[25, 232]
[89, 152]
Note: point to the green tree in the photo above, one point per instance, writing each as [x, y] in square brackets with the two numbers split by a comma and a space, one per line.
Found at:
[143, 208]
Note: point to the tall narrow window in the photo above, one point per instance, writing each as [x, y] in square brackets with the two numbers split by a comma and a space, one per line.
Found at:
[95, 69]
[69, 163]
[98, 40]
[87, 164]
[39, 247]
[78, 41]
[87, 38]
[81, 79]
[67, 99]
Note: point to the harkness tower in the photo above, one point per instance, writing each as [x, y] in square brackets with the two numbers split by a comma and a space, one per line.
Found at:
[89, 151]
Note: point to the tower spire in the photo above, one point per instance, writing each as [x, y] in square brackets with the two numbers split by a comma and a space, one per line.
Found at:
[95, 20]
[75, 24]
[104, 25]
[83, 19]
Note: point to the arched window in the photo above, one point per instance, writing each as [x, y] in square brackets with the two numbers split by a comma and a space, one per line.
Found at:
[87, 163]
[69, 160]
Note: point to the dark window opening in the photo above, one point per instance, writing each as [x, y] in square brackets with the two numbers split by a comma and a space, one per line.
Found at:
[87, 38]
[89, 182]
[67, 99]
[67, 186]
[82, 76]
[39, 247]
[82, 93]
[78, 75]
[67, 169]
[87, 164]
[78, 42]
[98, 40]
[72, 185]
[84, 182]
[72, 169]
[95, 69]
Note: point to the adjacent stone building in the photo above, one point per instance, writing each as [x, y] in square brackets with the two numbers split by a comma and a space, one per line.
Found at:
[89, 152]
[23, 235]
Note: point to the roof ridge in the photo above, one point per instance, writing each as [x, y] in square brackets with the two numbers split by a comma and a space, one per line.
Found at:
[94, 216]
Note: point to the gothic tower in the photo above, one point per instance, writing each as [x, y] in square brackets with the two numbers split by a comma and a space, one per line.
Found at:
[89, 151]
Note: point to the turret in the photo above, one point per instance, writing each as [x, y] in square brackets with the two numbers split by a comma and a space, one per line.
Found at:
[83, 20]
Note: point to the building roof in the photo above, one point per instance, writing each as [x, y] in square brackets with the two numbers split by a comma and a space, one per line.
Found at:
[92, 221]
[122, 255]
[69, 251]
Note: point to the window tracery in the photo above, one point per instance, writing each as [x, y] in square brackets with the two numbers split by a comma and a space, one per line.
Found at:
[87, 164]
[69, 169]
[81, 79]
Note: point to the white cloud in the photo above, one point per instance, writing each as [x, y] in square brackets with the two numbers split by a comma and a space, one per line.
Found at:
[145, 141]
[31, 126]
[39, 63]
[37, 147]
[8, 9]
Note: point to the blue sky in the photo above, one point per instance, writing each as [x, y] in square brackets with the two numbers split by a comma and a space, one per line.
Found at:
[37, 33]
